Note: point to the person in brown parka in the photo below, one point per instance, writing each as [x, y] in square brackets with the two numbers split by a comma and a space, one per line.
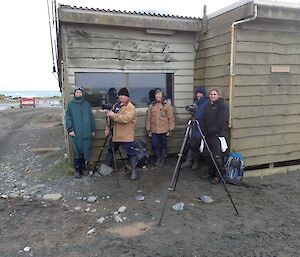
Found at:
[160, 124]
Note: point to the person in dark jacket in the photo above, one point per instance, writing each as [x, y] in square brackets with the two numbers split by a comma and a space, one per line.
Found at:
[200, 101]
[213, 122]
[80, 126]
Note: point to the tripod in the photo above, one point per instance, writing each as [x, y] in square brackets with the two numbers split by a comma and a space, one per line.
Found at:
[192, 121]
[112, 147]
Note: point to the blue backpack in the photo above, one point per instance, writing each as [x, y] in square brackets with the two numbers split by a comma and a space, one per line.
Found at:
[234, 167]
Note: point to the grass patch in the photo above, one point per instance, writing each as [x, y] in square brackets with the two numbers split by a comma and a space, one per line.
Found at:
[60, 168]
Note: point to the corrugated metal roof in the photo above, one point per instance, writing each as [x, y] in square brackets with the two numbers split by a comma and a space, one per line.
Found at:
[128, 12]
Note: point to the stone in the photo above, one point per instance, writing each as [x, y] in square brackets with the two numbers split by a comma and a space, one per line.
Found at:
[27, 249]
[105, 170]
[52, 197]
[118, 218]
[91, 231]
[79, 198]
[101, 220]
[92, 199]
[77, 208]
[122, 209]
[178, 206]
[139, 198]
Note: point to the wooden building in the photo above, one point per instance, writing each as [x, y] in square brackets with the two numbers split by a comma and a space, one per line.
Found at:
[103, 50]
[250, 50]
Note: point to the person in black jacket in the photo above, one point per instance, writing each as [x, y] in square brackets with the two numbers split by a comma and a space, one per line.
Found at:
[215, 116]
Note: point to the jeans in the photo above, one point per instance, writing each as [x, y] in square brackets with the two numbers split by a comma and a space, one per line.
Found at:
[159, 141]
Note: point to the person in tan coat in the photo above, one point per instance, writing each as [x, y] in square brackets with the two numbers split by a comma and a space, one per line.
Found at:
[160, 123]
[123, 117]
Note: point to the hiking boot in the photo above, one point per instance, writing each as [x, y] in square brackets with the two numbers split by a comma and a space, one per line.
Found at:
[215, 180]
[163, 158]
[158, 157]
[77, 173]
[133, 174]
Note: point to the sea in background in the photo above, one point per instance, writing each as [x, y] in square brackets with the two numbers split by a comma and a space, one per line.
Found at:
[35, 93]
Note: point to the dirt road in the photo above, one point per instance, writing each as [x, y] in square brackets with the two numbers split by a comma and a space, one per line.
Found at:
[267, 225]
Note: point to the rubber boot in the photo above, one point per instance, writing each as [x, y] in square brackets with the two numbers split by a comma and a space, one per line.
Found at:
[158, 157]
[77, 168]
[133, 174]
[163, 158]
[189, 160]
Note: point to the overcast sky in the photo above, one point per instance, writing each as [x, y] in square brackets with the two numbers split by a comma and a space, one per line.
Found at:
[25, 48]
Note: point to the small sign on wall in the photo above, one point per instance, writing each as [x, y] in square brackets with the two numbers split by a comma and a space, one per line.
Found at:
[280, 69]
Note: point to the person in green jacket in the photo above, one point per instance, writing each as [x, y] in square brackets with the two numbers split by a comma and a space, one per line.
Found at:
[80, 126]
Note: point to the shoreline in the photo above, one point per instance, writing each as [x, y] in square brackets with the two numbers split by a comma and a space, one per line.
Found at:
[47, 102]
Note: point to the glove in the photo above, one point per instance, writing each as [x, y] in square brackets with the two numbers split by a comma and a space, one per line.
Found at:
[170, 133]
[149, 133]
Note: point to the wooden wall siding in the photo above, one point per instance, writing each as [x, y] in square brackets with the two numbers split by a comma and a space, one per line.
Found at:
[266, 106]
[94, 49]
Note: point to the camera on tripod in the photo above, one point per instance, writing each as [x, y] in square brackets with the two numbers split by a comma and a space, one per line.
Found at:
[107, 106]
[191, 108]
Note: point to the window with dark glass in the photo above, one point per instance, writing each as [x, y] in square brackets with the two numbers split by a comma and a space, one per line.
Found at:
[101, 88]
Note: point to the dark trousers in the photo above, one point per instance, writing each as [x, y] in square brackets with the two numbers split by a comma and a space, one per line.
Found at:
[215, 147]
[159, 141]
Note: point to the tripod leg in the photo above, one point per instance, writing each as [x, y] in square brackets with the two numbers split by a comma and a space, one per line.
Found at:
[176, 171]
[99, 156]
[178, 163]
[124, 164]
[115, 161]
[216, 166]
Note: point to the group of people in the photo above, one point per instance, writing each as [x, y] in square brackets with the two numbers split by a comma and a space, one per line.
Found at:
[211, 114]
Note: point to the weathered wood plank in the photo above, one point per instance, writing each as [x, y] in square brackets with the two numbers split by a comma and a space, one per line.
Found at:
[264, 80]
[271, 25]
[268, 47]
[133, 46]
[128, 65]
[290, 14]
[212, 51]
[231, 16]
[266, 159]
[266, 58]
[127, 55]
[218, 41]
[103, 32]
[212, 72]
[267, 121]
[268, 36]
[261, 111]
[217, 60]
[266, 140]
[266, 90]
[261, 69]
[237, 133]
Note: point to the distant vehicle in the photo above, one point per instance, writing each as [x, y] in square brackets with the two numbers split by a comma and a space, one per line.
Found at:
[28, 101]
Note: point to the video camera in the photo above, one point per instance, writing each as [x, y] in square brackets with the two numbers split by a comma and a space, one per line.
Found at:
[107, 106]
[191, 108]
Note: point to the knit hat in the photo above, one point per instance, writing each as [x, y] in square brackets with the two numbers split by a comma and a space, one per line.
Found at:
[123, 91]
[78, 88]
[200, 89]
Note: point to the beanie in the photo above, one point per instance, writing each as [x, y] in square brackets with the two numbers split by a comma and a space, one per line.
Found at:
[123, 91]
[200, 89]
[78, 88]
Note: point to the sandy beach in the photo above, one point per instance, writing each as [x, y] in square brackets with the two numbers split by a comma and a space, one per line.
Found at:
[79, 220]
